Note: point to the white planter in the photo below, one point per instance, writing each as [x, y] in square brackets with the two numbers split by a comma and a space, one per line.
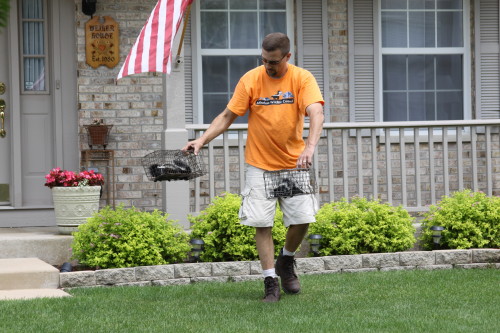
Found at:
[74, 205]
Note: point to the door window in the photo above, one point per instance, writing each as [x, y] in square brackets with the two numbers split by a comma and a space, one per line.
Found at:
[33, 46]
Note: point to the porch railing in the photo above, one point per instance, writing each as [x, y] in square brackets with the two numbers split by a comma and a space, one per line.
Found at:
[426, 160]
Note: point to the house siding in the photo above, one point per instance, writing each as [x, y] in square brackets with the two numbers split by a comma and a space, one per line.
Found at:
[133, 105]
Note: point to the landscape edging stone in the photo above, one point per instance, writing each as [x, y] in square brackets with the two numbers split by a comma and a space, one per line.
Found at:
[237, 271]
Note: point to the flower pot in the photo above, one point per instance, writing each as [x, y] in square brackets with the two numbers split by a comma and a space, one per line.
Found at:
[74, 205]
[98, 134]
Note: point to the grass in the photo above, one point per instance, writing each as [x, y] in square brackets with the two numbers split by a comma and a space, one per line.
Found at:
[402, 301]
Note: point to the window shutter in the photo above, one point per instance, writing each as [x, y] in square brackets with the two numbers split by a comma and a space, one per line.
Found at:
[362, 78]
[487, 59]
[312, 44]
[188, 72]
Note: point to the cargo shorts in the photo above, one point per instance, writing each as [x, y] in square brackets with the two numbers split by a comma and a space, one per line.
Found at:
[258, 211]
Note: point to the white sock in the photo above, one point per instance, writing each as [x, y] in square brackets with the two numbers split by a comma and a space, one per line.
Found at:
[288, 253]
[269, 272]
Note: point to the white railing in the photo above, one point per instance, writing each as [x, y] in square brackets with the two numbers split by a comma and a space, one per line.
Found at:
[426, 161]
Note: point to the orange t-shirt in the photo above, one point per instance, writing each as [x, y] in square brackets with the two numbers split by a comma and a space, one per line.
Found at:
[276, 118]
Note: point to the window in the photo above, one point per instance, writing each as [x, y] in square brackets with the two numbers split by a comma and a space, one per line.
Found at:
[33, 46]
[229, 44]
[423, 59]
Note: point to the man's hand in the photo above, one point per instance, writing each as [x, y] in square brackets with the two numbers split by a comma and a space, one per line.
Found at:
[306, 158]
[193, 146]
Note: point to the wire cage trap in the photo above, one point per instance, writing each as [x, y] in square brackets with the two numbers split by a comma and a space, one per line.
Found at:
[170, 165]
[289, 182]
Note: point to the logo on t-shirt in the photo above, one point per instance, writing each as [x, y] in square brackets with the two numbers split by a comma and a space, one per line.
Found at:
[277, 99]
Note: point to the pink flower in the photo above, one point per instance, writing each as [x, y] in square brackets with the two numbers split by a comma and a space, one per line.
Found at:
[65, 178]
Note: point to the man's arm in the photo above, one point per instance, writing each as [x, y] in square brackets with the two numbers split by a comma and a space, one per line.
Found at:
[218, 125]
[316, 118]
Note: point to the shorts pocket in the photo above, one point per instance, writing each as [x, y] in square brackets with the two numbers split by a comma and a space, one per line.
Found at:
[244, 201]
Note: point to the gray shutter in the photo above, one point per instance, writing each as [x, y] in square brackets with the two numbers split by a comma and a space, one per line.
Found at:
[487, 59]
[312, 44]
[362, 77]
[188, 71]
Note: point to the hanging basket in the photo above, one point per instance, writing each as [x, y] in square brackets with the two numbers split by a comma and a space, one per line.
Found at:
[289, 182]
[170, 165]
[98, 135]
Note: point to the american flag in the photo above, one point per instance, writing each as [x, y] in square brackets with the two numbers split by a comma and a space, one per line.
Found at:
[152, 51]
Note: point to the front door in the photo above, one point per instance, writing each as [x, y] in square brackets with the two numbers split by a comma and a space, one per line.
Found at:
[31, 142]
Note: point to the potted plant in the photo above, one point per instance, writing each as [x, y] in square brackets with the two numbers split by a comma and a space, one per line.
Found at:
[75, 195]
[98, 133]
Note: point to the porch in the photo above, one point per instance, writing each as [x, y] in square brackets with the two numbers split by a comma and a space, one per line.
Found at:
[426, 160]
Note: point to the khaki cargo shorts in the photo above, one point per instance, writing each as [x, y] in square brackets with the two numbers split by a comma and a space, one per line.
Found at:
[258, 211]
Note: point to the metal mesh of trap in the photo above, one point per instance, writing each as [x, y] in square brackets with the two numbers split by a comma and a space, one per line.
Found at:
[289, 182]
[172, 165]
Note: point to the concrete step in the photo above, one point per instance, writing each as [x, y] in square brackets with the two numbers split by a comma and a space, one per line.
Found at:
[27, 273]
[44, 243]
[32, 293]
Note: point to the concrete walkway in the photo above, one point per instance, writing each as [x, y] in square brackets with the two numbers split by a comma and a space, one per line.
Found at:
[26, 278]
[27, 259]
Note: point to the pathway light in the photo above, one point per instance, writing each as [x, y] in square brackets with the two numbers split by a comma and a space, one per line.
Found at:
[314, 240]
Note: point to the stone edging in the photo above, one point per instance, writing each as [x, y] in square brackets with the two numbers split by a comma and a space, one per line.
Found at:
[177, 274]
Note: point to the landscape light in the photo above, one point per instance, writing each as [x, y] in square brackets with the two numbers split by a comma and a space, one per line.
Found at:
[197, 248]
[436, 236]
[314, 240]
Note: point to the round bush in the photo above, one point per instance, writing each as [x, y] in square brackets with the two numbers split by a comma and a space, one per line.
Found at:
[225, 238]
[363, 226]
[128, 237]
[471, 220]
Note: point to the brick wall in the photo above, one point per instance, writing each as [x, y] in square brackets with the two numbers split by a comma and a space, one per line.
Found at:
[133, 105]
[339, 66]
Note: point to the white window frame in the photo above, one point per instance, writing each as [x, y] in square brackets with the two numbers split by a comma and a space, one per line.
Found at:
[465, 51]
[198, 53]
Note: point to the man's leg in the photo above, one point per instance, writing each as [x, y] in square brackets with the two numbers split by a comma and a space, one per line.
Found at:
[286, 260]
[265, 248]
[298, 212]
[295, 235]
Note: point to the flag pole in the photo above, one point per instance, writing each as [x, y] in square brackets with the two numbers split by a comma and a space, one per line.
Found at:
[186, 19]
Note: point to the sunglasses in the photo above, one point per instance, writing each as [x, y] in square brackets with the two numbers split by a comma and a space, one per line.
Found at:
[272, 62]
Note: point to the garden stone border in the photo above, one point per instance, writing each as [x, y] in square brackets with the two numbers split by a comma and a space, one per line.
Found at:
[237, 271]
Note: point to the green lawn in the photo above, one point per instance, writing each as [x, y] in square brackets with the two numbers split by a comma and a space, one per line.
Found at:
[404, 301]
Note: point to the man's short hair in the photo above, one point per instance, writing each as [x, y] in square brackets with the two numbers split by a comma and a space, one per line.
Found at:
[276, 41]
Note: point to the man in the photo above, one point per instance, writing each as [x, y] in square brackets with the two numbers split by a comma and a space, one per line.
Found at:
[278, 96]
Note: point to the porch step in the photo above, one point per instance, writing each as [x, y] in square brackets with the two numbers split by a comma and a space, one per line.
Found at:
[44, 243]
[32, 293]
[27, 273]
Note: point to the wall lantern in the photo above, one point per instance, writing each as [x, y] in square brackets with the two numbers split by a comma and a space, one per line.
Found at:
[88, 7]
[314, 240]
[436, 236]
[196, 249]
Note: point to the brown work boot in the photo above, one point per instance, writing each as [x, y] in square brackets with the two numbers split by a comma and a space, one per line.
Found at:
[284, 268]
[271, 290]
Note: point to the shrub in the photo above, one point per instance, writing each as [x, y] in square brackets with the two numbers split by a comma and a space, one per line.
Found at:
[225, 238]
[471, 220]
[128, 237]
[362, 226]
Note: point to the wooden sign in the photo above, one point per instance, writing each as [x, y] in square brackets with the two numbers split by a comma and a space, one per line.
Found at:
[102, 42]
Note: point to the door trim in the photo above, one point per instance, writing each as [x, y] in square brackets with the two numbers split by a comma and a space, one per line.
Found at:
[15, 102]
